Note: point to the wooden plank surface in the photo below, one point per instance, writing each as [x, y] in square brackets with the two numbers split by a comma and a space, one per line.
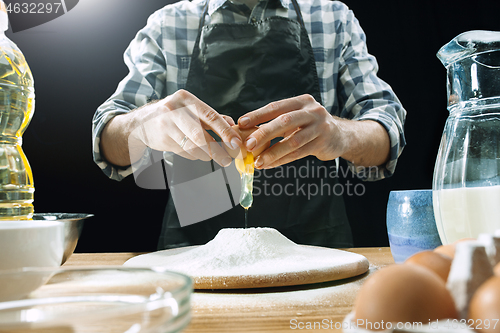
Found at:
[313, 308]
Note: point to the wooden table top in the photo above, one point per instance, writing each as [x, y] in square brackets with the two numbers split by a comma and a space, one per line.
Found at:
[322, 306]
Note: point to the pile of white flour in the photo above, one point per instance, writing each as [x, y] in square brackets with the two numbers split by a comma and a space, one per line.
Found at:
[237, 252]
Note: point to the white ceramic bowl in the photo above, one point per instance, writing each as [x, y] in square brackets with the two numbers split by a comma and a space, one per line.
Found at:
[28, 244]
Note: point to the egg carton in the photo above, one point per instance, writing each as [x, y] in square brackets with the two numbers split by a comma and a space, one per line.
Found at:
[442, 326]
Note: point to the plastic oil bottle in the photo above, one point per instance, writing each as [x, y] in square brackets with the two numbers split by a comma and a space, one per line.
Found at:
[17, 103]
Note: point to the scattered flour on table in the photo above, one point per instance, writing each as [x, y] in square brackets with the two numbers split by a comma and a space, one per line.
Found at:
[252, 251]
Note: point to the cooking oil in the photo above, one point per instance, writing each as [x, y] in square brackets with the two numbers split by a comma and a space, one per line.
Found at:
[17, 103]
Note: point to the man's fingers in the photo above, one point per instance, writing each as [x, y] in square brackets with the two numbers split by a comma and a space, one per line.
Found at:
[295, 155]
[285, 123]
[291, 147]
[229, 120]
[220, 155]
[209, 118]
[195, 151]
[271, 111]
[200, 143]
[219, 124]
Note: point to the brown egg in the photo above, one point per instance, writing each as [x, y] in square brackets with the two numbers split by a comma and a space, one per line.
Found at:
[402, 293]
[449, 249]
[464, 240]
[484, 307]
[435, 261]
[496, 269]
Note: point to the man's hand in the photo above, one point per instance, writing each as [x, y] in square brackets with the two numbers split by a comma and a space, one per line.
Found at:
[177, 123]
[308, 129]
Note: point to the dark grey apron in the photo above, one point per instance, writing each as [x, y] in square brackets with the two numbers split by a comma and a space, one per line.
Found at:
[237, 68]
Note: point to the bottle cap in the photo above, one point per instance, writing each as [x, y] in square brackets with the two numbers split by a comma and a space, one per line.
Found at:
[4, 18]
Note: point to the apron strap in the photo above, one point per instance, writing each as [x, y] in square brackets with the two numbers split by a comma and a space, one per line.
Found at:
[299, 13]
[202, 20]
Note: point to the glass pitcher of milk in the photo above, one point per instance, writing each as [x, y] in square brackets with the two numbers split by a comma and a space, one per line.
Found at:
[466, 184]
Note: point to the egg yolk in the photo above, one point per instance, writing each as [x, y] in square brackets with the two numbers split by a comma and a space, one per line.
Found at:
[246, 164]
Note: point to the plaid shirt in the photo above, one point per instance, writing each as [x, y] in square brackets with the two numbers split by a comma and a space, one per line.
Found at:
[158, 60]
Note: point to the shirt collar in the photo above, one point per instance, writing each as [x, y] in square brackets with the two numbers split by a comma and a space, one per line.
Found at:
[213, 5]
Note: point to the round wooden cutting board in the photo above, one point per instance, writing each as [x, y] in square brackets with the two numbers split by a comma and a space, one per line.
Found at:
[341, 265]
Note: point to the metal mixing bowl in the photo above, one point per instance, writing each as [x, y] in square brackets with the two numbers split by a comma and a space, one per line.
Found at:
[73, 225]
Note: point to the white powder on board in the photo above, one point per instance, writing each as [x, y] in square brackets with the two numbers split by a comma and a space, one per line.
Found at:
[253, 251]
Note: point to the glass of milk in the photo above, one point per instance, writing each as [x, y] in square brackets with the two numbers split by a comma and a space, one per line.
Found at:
[466, 184]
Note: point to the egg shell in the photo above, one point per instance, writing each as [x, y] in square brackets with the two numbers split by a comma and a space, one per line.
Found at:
[449, 249]
[437, 262]
[465, 240]
[402, 293]
[484, 307]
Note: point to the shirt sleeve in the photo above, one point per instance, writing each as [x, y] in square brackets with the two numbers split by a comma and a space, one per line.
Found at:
[144, 83]
[365, 96]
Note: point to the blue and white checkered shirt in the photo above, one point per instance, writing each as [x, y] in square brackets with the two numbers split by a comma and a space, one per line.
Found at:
[158, 60]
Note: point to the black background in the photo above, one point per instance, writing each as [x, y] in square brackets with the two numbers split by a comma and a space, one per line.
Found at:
[77, 62]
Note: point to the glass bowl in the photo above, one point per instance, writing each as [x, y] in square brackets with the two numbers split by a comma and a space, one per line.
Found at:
[103, 299]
